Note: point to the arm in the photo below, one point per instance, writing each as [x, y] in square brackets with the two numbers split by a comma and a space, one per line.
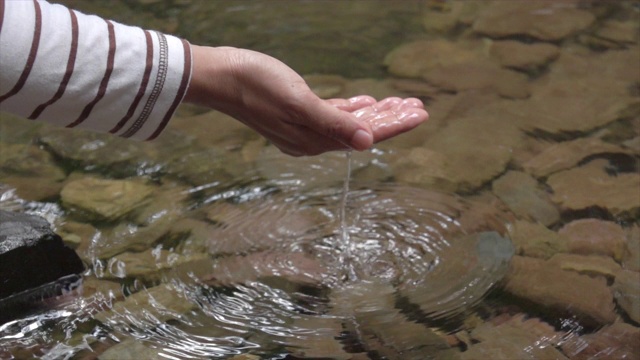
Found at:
[75, 70]
[72, 69]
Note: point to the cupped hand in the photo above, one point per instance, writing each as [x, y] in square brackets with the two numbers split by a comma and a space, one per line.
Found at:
[271, 98]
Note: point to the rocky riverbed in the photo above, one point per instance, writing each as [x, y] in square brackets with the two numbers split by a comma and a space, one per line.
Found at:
[504, 228]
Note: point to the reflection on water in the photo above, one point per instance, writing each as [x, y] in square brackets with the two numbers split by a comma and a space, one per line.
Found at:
[506, 227]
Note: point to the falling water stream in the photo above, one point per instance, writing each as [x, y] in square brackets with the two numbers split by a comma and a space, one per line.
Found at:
[344, 226]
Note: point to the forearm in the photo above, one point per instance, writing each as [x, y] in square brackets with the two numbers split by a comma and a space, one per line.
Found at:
[77, 70]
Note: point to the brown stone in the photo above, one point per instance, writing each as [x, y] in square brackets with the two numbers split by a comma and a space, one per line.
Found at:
[105, 199]
[626, 290]
[613, 342]
[619, 31]
[479, 75]
[592, 265]
[516, 338]
[567, 154]
[524, 197]
[295, 268]
[590, 185]
[413, 59]
[576, 104]
[519, 55]
[595, 237]
[545, 20]
[631, 257]
[536, 240]
[564, 291]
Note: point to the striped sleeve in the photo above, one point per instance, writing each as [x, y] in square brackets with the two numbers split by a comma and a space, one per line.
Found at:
[75, 70]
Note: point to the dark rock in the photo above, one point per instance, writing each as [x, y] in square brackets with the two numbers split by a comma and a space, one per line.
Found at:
[34, 262]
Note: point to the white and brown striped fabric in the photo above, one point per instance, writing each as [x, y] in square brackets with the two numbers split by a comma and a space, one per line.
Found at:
[75, 70]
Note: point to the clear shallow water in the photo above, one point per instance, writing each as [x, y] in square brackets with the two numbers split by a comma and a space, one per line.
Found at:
[240, 249]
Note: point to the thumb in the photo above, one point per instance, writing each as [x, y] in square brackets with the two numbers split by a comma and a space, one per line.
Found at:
[342, 126]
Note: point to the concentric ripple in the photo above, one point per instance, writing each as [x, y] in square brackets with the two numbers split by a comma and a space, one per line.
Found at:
[438, 250]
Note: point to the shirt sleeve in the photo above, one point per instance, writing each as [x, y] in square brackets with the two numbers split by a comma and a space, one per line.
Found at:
[75, 70]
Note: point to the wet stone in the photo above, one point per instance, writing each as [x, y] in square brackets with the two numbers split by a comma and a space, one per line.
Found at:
[28, 161]
[93, 150]
[479, 74]
[150, 265]
[567, 154]
[524, 197]
[536, 240]
[323, 342]
[294, 268]
[32, 258]
[131, 349]
[576, 105]
[160, 303]
[516, 338]
[415, 58]
[523, 56]
[631, 258]
[544, 20]
[616, 341]
[595, 237]
[619, 31]
[129, 237]
[383, 328]
[626, 290]
[591, 265]
[104, 199]
[482, 145]
[31, 171]
[542, 283]
[34, 188]
[590, 185]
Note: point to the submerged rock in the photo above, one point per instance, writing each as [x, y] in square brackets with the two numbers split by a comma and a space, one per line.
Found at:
[516, 338]
[524, 197]
[415, 58]
[567, 154]
[592, 265]
[544, 20]
[472, 140]
[561, 291]
[590, 185]
[631, 257]
[523, 56]
[131, 349]
[576, 105]
[616, 341]
[294, 268]
[468, 267]
[369, 308]
[147, 308]
[536, 240]
[627, 293]
[479, 74]
[104, 199]
[595, 237]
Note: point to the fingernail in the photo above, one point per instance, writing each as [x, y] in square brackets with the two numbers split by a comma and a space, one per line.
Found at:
[362, 140]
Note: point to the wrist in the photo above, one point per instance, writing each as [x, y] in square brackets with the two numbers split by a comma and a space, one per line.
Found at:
[213, 77]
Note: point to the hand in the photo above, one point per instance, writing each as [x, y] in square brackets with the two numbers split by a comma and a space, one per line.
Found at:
[271, 98]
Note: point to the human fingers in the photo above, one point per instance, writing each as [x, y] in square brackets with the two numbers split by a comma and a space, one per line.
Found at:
[353, 103]
[392, 116]
[339, 125]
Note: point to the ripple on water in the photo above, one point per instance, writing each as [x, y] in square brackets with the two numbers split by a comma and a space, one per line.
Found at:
[409, 238]
[279, 284]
